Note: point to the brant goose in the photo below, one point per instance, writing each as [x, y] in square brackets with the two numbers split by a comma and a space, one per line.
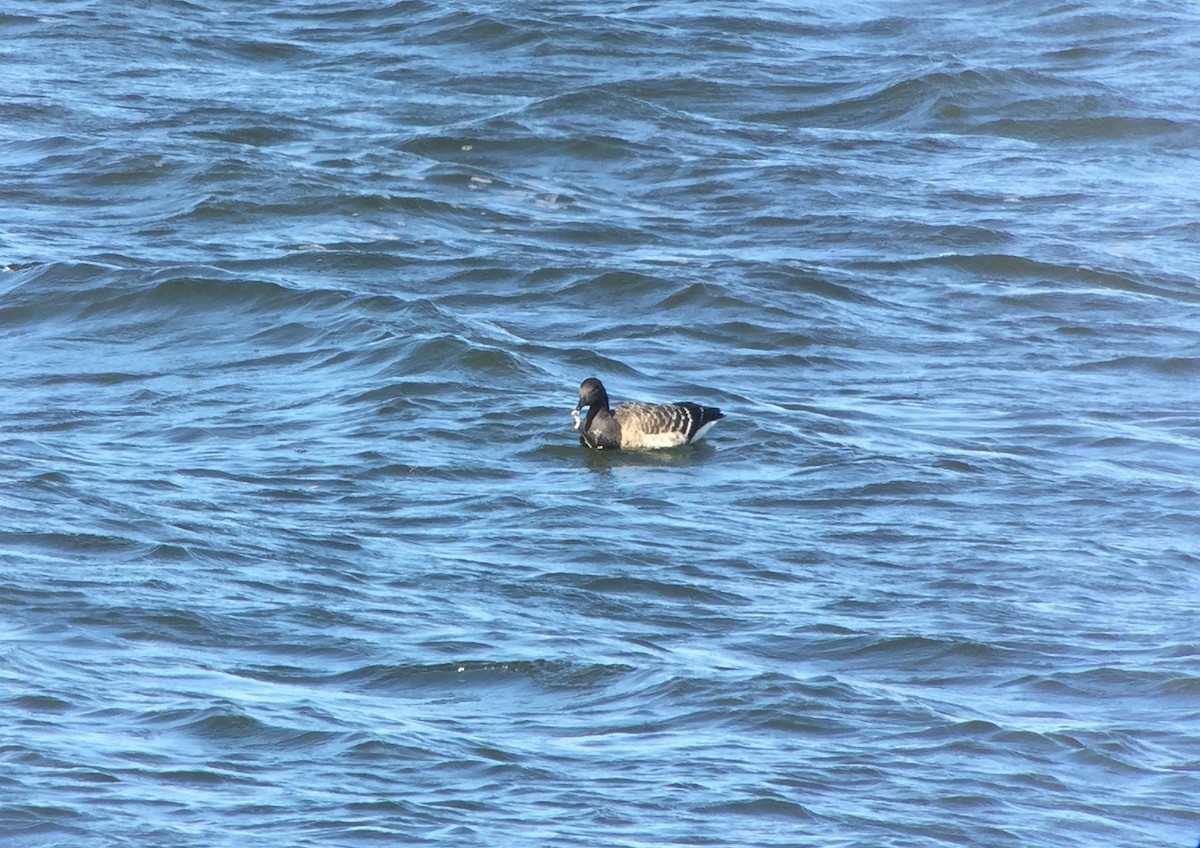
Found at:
[638, 426]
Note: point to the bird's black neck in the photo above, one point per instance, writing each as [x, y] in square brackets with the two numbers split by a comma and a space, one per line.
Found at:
[593, 411]
[601, 402]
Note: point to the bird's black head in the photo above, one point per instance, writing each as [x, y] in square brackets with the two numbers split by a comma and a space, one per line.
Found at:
[591, 393]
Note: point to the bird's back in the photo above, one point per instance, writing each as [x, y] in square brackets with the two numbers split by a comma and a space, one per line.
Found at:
[663, 425]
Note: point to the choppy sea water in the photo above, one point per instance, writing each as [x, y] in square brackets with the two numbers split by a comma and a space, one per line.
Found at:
[297, 546]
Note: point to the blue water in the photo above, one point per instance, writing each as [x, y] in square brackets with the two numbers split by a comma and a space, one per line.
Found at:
[297, 545]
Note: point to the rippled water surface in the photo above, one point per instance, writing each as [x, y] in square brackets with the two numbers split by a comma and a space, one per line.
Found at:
[297, 546]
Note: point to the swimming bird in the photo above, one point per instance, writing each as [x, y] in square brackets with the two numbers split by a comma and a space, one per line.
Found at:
[638, 426]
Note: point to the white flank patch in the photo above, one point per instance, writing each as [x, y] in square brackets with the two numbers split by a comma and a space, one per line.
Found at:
[659, 440]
